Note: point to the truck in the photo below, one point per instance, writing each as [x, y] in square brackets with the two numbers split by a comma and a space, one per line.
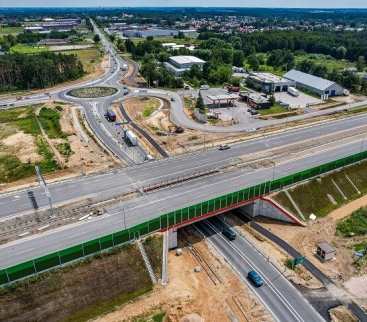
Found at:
[131, 138]
[110, 116]
[293, 91]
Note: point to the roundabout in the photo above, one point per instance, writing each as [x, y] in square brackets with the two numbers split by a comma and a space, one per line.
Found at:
[92, 92]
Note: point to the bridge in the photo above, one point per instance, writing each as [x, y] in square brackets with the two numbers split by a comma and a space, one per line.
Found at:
[157, 222]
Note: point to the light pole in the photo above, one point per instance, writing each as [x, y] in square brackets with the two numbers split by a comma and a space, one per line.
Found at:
[273, 175]
[42, 182]
[124, 217]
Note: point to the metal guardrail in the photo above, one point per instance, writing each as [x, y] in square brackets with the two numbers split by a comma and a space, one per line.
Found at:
[164, 221]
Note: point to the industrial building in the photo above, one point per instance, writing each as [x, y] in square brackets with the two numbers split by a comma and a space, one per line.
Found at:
[314, 84]
[54, 25]
[255, 100]
[268, 83]
[218, 97]
[149, 32]
[180, 64]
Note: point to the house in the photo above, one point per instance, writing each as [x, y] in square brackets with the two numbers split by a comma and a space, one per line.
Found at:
[317, 85]
[268, 83]
[180, 64]
[325, 251]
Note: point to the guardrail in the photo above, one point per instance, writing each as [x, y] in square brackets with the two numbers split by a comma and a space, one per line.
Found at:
[176, 217]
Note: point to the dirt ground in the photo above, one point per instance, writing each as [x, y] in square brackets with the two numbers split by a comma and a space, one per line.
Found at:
[342, 314]
[216, 297]
[159, 125]
[86, 157]
[23, 146]
[76, 291]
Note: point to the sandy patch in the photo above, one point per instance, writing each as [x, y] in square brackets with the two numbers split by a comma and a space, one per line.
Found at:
[357, 286]
[191, 292]
[23, 146]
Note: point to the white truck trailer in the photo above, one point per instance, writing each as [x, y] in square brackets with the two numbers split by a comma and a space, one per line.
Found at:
[131, 138]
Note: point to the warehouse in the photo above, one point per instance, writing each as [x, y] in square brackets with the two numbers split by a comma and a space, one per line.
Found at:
[180, 64]
[317, 85]
[255, 100]
[268, 83]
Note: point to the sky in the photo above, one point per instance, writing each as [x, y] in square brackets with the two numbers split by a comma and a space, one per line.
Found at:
[188, 3]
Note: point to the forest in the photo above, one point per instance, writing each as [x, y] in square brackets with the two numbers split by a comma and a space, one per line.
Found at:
[22, 72]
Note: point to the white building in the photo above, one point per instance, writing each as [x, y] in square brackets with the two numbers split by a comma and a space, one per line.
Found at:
[180, 64]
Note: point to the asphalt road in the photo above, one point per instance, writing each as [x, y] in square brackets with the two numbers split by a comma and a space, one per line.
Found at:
[107, 185]
[151, 205]
[277, 294]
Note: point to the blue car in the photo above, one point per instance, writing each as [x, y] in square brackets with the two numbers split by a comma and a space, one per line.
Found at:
[255, 278]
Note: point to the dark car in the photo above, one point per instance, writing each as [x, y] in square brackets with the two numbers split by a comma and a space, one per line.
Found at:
[253, 112]
[224, 147]
[255, 278]
[229, 233]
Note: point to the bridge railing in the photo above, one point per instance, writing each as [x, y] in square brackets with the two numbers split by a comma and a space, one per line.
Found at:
[176, 217]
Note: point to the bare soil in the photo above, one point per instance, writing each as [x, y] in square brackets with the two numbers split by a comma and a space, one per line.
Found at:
[23, 146]
[191, 293]
[342, 314]
[86, 157]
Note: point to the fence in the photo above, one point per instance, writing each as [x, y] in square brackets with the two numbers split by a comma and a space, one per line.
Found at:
[64, 256]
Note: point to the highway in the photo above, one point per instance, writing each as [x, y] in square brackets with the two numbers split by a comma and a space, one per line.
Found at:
[107, 185]
[278, 295]
[151, 205]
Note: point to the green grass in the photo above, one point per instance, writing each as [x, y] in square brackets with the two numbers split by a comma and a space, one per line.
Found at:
[282, 199]
[354, 225]
[331, 63]
[311, 197]
[90, 57]
[10, 30]
[27, 49]
[11, 169]
[150, 106]
[275, 109]
[154, 247]
[22, 118]
[93, 92]
[155, 317]
[64, 149]
[107, 306]
[48, 164]
[50, 121]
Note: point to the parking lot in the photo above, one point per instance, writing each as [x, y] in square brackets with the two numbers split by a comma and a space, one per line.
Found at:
[301, 101]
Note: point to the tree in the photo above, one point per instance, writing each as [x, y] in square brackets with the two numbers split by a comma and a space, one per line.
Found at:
[341, 52]
[200, 104]
[361, 63]
[238, 58]
[130, 46]
[253, 62]
[96, 39]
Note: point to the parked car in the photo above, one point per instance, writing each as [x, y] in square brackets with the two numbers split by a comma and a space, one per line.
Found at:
[229, 233]
[252, 111]
[255, 278]
[224, 147]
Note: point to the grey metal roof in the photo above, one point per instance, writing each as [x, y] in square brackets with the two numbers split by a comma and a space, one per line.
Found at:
[308, 80]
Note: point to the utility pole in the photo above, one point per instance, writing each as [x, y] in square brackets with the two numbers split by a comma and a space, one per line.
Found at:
[43, 184]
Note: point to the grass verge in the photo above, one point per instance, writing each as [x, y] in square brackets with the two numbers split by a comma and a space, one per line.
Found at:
[154, 247]
[314, 195]
[354, 225]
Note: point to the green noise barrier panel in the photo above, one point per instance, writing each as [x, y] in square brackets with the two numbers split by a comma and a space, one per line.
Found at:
[178, 216]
